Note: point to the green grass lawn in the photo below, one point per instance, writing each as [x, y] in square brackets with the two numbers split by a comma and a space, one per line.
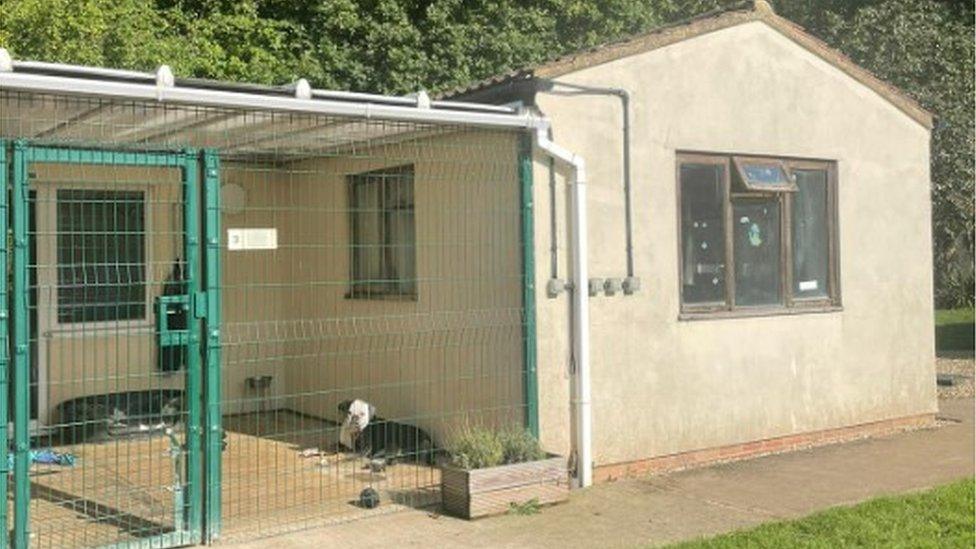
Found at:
[941, 517]
[954, 329]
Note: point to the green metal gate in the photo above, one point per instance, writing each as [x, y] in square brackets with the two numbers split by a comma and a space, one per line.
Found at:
[107, 272]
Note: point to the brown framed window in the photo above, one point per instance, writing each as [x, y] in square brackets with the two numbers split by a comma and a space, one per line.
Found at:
[757, 235]
[383, 254]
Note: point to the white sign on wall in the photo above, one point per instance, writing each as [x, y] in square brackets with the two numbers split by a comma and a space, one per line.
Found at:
[252, 239]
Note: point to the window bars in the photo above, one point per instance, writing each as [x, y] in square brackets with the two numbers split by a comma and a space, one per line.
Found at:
[174, 387]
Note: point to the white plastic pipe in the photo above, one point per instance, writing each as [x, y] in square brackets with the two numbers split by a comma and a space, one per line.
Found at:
[581, 304]
[81, 73]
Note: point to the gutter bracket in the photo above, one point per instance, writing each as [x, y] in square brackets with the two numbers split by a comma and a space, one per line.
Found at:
[6, 61]
[303, 90]
[164, 79]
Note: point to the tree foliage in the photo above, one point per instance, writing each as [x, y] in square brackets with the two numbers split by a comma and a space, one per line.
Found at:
[395, 46]
[924, 47]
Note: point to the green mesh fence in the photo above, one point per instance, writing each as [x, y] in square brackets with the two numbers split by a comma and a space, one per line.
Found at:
[197, 294]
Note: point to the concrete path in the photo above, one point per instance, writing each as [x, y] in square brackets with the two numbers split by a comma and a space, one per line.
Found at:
[686, 505]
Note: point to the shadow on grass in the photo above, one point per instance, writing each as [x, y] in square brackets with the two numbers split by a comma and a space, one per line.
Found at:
[954, 330]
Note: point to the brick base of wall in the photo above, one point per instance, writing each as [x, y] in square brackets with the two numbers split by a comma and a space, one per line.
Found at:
[736, 452]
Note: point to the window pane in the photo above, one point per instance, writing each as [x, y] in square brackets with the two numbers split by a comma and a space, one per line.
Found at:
[757, 175]
[811, 255]
[366, 239]
[764, 174]
[400, 246]
[101, 255]
[702, 234]
[382, 221]
[757, 251]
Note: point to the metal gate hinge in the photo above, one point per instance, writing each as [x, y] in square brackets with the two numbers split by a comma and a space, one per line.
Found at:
[200, 305]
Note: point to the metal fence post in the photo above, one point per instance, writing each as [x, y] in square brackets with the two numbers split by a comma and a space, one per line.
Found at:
[212, 380]
[4, 342]
[21, 345]
[528, 286]
[191, 243]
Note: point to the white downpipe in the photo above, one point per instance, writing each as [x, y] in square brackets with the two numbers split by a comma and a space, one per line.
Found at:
[581, 304]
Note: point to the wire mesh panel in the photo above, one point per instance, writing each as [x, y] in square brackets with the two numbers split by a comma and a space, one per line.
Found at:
[368, 271]
[388, 274]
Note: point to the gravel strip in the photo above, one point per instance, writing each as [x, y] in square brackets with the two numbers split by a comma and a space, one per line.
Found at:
[961, 369]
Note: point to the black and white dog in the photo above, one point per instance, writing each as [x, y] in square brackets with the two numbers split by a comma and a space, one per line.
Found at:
[377, 438]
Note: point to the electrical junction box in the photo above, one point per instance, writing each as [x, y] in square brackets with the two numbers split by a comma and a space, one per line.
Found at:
[596, 286]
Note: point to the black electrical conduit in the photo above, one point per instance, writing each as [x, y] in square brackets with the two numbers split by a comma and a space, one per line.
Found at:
[631, 284]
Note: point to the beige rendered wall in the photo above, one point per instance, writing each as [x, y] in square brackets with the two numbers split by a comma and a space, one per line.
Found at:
[455, 349]
[661, 385]
[254, 292]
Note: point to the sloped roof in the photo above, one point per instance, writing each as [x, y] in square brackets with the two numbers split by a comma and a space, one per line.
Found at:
[757, 10]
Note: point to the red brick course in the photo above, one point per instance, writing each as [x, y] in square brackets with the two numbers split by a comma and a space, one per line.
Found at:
[747, 450]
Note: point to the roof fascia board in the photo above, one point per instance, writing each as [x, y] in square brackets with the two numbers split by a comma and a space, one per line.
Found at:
[762, 13]
[787, 28]
[901, 100]
[644, 44]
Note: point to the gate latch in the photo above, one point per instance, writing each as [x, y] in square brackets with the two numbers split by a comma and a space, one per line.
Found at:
[172, 331]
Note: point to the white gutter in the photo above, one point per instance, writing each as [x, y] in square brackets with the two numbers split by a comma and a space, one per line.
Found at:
[581, 303]
[94, 73]
[81, 69]
[218, 98]
[411, 101]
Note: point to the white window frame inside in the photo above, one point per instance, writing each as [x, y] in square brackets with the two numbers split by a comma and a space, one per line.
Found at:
[47, 261]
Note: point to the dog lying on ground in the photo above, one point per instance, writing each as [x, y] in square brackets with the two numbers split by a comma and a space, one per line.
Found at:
[377, 438]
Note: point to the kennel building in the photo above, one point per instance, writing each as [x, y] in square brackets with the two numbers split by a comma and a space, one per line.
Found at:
[199, 273]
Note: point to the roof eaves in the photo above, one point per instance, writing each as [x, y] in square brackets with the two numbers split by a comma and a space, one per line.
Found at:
[658, 37]
[610, 51]
[526, 73]
[698, 26]
[893, 94]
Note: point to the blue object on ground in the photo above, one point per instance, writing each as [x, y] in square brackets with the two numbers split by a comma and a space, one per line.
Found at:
[46, 457]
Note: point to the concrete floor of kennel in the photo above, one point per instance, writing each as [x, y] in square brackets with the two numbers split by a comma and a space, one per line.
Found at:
[119, 489]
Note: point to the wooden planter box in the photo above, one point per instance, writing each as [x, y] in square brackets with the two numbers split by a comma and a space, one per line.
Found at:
[481, 492]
